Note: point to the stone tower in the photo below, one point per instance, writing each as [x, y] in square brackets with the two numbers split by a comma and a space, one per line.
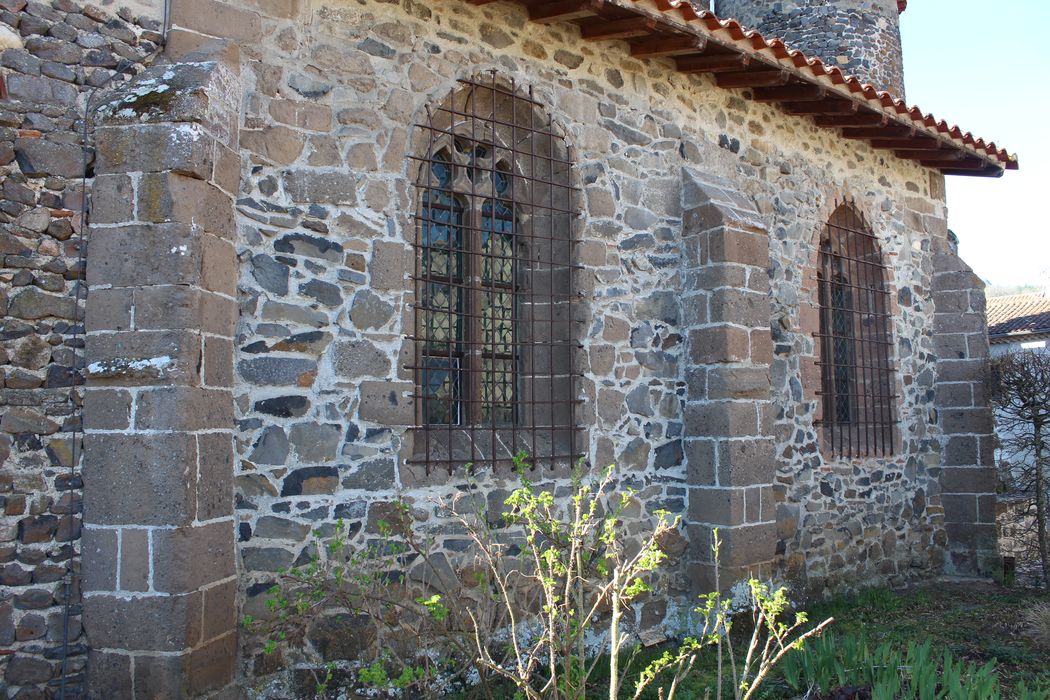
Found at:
[862, 37]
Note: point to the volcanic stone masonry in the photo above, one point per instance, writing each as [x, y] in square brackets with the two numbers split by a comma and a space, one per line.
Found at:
[54, 55]
[250, 301]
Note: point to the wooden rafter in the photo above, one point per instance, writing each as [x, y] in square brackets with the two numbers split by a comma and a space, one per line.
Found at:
[797, 92]
[562, 10]
[858, 119]
[668, 46]
[822, 107]
[723, 62]
[752, 78]
[923, 143]
[876, 132]
[599, 29]
[926, 156]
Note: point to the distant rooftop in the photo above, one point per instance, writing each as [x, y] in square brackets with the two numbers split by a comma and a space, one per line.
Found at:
[1017, 315]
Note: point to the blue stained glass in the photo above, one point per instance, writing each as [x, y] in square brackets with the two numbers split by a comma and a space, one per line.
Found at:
[441, 390]
[501, 181]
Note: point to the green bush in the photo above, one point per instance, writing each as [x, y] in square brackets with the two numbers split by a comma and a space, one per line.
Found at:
[545, 581]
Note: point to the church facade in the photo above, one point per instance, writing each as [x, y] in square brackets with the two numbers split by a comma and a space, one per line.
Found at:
[335, 252]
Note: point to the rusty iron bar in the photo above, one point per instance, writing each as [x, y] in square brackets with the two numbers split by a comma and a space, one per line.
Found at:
[858, 375]
[495, 332]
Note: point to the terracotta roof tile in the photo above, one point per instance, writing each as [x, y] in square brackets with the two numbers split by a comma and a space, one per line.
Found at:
[1018, 314]
[817, 69]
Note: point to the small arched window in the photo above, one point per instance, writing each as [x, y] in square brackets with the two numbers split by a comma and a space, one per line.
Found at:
[494, 296]
[855, 341]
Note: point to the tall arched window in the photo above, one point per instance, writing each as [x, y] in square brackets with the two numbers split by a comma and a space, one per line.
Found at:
[494, 297]
[855, 341]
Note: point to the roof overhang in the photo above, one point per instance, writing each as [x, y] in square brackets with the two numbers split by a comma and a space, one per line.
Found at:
[699, 42]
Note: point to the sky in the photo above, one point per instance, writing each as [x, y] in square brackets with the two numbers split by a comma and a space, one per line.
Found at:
[983, 66]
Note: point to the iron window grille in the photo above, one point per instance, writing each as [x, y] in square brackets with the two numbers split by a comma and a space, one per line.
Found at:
[494, 303]
[855, 340]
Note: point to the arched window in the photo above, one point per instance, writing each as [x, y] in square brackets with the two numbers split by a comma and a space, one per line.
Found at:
[494, 297]
[855, 341]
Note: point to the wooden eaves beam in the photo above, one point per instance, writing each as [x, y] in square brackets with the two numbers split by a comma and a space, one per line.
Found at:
[562, 10]
[917, 143]
[796, 92]
[599, 29]
[858, 119]
[668, 46]
[755, 78]
[932, 157]
[821, 107]
[723, 62]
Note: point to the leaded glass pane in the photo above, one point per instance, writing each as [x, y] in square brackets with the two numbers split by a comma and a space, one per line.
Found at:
[441, 404]
[497, 242]
[497, 391]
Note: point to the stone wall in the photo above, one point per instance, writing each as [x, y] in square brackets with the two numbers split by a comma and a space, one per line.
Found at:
[969, 480]
[55, 54]
[159, 569]
[862, 37]
[324, 220]
[290, 150]
[856, 522]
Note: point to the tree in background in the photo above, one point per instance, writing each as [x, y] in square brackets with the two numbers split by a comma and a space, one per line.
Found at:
[1021, 395]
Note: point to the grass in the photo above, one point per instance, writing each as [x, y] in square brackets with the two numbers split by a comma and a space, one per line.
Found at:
[977, 622]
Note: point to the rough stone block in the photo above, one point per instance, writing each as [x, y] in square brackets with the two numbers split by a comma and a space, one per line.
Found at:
[386, 403]
[967, 420]
[181, 148]
[959, 508]
[43, 158]
[149, 623]
[107, 409]
[746, 462]
[139, 255]
[721, 419]
[738, 383]
[187, 558]
[719, 344]
[108, 310]
[277, 144]
[716, 506]
[968, 480]
[218, 19]
[184, 408]
[321, 187]
[134, 560]
[112, 201]
[99, 559]
[173, 198]
[109, 675]
[40, 89]
[184, 307]
[138, 358]
[215, 475]
[303, 115]
[157, 473]
[390, 266]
